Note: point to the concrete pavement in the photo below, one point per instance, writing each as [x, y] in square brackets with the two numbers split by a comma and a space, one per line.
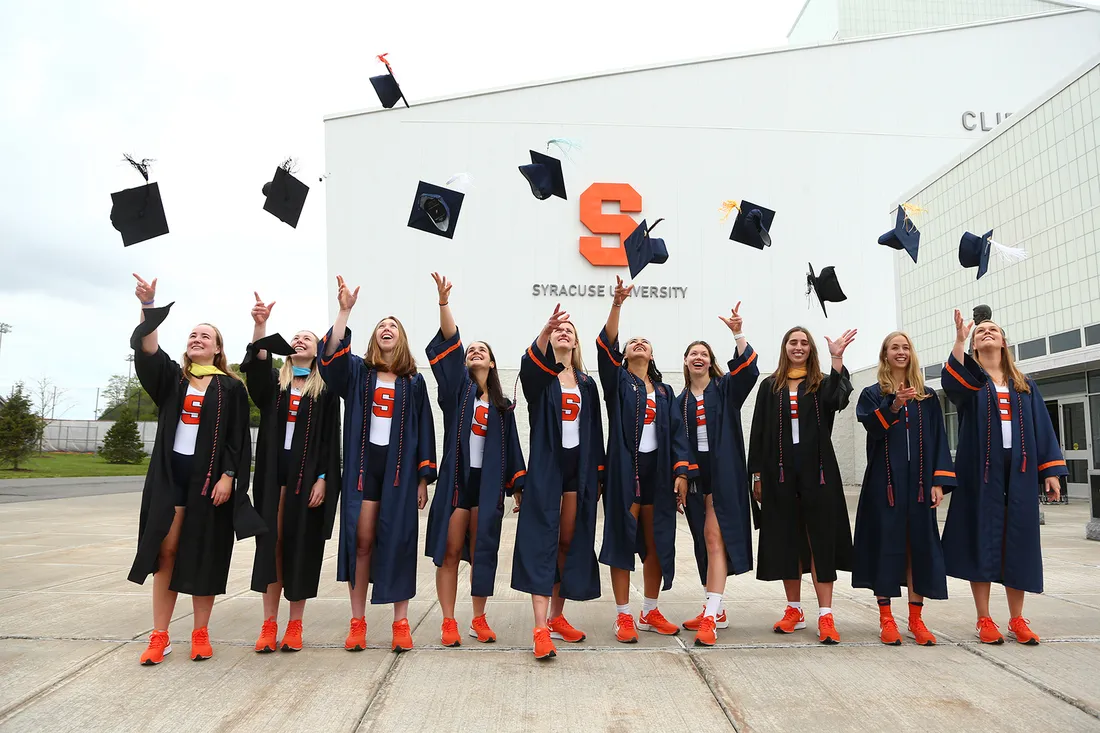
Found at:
[72, 628]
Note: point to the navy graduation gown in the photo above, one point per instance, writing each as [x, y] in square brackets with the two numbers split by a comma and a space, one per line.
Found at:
[625, 397]
[535, 559]
[502, 468]
[802, 500]
[223, 444]
[895, 501]
[410, 457]
[722, 401]
[992, 530]
[314, 450]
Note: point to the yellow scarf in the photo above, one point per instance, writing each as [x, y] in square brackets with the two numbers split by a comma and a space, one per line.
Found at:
[205, 370]
[796, 372]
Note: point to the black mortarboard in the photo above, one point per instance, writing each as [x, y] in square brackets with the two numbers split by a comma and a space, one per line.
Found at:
[286, 196]
[386, 86]
[826, 286]
[545, 176]
[642, 250]
[275, 343]
[904, 235]
[752, 225]
[974, 251]
[435, 210]
[982, 313]
[138, 213]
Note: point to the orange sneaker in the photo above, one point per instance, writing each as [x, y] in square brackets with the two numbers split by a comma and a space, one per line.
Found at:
[402, 636]
[720, 622]
[357, 636]
[562, 629]
[544, 648]
[1018, 629]
[448, 634]
[826, 630]
[793, 620]
[655, 622]
[888, 631]
[200, 645]
[292, 639]
[268, 633]
[159, 646]
[987, 631]
[706, 635]
[919, 631]
[480, 630]
[624, 629]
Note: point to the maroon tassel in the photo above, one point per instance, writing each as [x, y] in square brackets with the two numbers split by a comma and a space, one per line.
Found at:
[920, 492]
[454, 501]
[821, 469]
[780, 473]
[986, 471]
[1023, 464]
[637, 487]
[206, 485]
[397, 477]
[298, 490]
[360, 482]
[890, 494]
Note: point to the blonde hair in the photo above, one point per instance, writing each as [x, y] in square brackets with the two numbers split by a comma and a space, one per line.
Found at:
[314, 385]
[813, 378]
[401, 361]
[1008, 364]
[220, 362]
[913, 376]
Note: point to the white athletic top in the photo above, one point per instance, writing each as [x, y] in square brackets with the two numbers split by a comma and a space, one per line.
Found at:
[479, 428]
[187, 431]
[648, 443]
[381, 414]
[794, 417]
[703, 443]
[570, 417]
[291, 417]
[1004, 403]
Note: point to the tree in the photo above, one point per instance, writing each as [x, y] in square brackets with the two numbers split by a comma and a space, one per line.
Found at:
[20, 428]
[122, 444]
[122, 394]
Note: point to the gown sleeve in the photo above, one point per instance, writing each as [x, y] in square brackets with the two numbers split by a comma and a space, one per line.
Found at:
[448, 363]
[514, 467]
[610, 361]
[337, 369]
[158, 373]
[597, 447]
[836, 390]
[1051, 460]
[682, 456]
[962, 380]
[259, 375]
[943, 471]
[874, 413]
[741, 378]
[237, 453]
[425, 439]
[537, 371]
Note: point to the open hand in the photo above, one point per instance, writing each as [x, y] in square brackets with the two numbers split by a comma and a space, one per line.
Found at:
[836, 348]
[962, 328]
[443, 285]
[902, 397]
[734, 322]
[517, 497]
[317, 494]
[261, 312]
[145, 292]
[557, 318]
[345, 296]
[681, 493]
[621, 293]
[1053, 488]
[222, 490]
[937, 496]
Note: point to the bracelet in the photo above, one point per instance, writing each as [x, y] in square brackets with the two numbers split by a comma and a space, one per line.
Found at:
[148, 303]
[442, 305]
[737, 336]
[321, 476]
[616, 305]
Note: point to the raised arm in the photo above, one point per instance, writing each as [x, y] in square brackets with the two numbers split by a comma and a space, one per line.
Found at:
[147, 293]
[538, 367]
[446, 319]
[878, 412]
[836, 390]
[346, 298]
[611, 328]
[962, 333]
[259, 375]
[961, 377]
[608, 357]
[743, 369]
[260, 314]
[836, 349]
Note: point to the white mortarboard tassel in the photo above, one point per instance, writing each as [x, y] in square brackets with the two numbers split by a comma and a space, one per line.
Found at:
[1008, 254]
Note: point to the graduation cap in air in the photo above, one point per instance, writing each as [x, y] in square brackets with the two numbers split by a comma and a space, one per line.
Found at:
[435, 210]
[825, 286]
[545, 176]
[982, 313]
[642, 250]
[275, 343]
[386, 86]
[974, 251]
[138, 213]
[904, 235]
[752, 224]
[286, 195]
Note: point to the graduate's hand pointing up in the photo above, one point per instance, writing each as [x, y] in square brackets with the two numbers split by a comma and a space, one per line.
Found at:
[345, 296]
[145, 292]
[621, 293]
[734, 322]
[261, 312]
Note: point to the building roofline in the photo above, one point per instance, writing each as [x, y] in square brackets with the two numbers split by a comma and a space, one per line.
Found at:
[709, 59]
[798, 17]
[1000, 129]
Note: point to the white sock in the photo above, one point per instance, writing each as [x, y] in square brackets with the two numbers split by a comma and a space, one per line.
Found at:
[824, 611]
[648, 604]
[714, 603]
[797, 605]
[625, 608]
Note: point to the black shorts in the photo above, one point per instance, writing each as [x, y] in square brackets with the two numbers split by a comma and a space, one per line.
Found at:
[570, 470]
[702, 481]
[181, 477]
[375, 471]
[470, 495]
[284, 466]
[648, 479]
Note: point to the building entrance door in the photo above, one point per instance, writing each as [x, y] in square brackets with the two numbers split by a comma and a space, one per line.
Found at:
[1071, 423]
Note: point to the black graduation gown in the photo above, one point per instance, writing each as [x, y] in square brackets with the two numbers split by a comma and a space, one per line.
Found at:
[502, 468]
[535, 558]
[895, 501]
[793, 515]
[314, 450]
[722, 401]
[625, 397]
[223, 444]
[410, 457]
[992, 531]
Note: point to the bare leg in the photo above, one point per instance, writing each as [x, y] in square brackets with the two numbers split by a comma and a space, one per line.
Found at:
[620, 578]
[981, 598]
[202, 606]
[478, 602]
[400, 610]
[275, 590]
[446, 576]
[913, 596]
[540, 605]
[566, 528]
[1015, 602]
[364, 546]
[651, 566]
[716, 551]
[164, 599]
[824, 591]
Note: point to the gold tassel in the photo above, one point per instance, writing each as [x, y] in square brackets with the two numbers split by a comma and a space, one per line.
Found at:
[727, 208]
[914, 209]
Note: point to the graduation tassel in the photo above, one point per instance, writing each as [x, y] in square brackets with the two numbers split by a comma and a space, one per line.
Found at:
[298, 489]
[1023, 464]
[890, 494]
[920, 492]
[780, 473]
[637, 486]
[454, 501]
[986, 480]
[360, 487]
[206, 484]
[821, 469]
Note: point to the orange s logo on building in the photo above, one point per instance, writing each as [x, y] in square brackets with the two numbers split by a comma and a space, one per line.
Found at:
[593, 217]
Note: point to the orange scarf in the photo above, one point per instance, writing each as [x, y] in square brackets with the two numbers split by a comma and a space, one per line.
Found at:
[796, 372]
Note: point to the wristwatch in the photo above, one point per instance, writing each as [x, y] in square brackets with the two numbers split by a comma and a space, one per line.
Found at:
[230, 474]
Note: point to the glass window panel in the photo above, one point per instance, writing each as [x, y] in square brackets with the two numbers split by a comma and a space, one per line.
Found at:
[1094, 410]
[1094, 382]
[1032, 349]
[1065, 341]
[1092, 335]
[1078, 472]
[1073, 426]
[1062, 385]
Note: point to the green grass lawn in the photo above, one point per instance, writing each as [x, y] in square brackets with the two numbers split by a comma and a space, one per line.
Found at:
[72, 465]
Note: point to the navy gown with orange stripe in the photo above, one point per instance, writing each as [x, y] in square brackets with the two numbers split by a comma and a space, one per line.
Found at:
[625, 397]
[907, 454]
[502, 467]
[722, 402]
[992, 530]
[410, 458]
[535, 559]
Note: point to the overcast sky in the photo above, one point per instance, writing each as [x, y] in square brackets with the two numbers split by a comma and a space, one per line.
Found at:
[218, 93]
